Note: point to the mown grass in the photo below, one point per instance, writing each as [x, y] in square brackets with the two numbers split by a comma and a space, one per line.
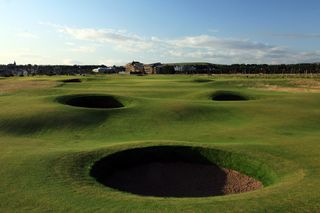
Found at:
[47, 148]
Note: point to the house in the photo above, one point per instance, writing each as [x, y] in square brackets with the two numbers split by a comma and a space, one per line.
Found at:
[152, 68]
[25, 73]
[21, 73]
[184, 68]
[135, 67]
[105, 70]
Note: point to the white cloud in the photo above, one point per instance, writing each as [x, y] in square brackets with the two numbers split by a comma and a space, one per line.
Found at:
[24, 56]
[28, 35]
[70, 43]
[83, 49]
[215, 43]
[201, 47]
[119, 38]
[211, 48]
[111, 62]
[71, 62]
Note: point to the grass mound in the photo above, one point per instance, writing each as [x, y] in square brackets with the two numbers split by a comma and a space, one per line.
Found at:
[45, 122]
[91, 101]
[177, 171]
[228, 96]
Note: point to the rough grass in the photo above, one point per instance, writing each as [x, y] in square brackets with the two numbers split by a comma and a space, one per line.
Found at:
[47, 149]
[17, 84]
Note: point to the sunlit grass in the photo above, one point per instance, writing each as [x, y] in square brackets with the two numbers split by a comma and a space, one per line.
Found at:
[46, 147]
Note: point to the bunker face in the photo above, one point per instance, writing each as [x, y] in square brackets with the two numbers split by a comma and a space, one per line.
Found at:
[95, 101]
[202, 80]
[168, 171]
[73, 80]
[228, 96]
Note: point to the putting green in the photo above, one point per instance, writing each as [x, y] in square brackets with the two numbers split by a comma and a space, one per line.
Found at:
[47, 149]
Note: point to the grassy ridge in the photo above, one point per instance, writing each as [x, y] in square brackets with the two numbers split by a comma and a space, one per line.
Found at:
[46, 148]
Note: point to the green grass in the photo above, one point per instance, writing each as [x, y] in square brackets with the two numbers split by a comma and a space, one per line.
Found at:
[47, 148]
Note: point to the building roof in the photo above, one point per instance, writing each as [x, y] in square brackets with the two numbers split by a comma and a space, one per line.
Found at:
[135, 62]
[154, 64]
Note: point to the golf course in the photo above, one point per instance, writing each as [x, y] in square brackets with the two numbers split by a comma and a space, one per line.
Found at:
[77, 143]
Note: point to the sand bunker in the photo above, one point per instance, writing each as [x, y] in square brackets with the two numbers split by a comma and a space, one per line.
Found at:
[73, 80]
[166, 171]
[202, 80]
[91, 101]
[228, 96]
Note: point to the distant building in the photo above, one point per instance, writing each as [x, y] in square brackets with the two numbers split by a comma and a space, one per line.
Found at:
[184, 68]
[21, 73]
[152, 68]
[12, 65]
[103, 70]
[135, 67]
[25, 73]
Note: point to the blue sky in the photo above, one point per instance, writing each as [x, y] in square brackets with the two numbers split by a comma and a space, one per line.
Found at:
[118, 31]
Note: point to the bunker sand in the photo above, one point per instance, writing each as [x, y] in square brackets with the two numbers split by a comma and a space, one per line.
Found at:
[180, 179]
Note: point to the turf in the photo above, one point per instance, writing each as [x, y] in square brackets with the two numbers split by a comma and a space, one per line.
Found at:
[47, 148]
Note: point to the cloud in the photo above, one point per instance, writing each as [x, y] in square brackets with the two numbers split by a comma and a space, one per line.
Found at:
[83, 49]
[212, 42]
[211, 48]
[71, 62]
[70, 43]
[111, 62]
[308, 57]
[28, 35]
[190, 48]
[24, 56]
[119, 38]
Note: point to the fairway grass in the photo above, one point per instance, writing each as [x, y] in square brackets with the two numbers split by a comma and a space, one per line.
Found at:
[48, 148]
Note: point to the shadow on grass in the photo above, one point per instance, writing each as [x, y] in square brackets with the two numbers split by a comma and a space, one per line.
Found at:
[51, 121]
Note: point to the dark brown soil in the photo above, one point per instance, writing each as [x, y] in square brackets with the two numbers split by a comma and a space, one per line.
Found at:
[179, 179]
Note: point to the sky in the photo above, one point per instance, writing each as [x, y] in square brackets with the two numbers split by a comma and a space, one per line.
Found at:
[115, 32]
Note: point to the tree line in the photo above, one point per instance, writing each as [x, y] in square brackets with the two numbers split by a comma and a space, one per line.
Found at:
[305, 68]
[187, 68]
